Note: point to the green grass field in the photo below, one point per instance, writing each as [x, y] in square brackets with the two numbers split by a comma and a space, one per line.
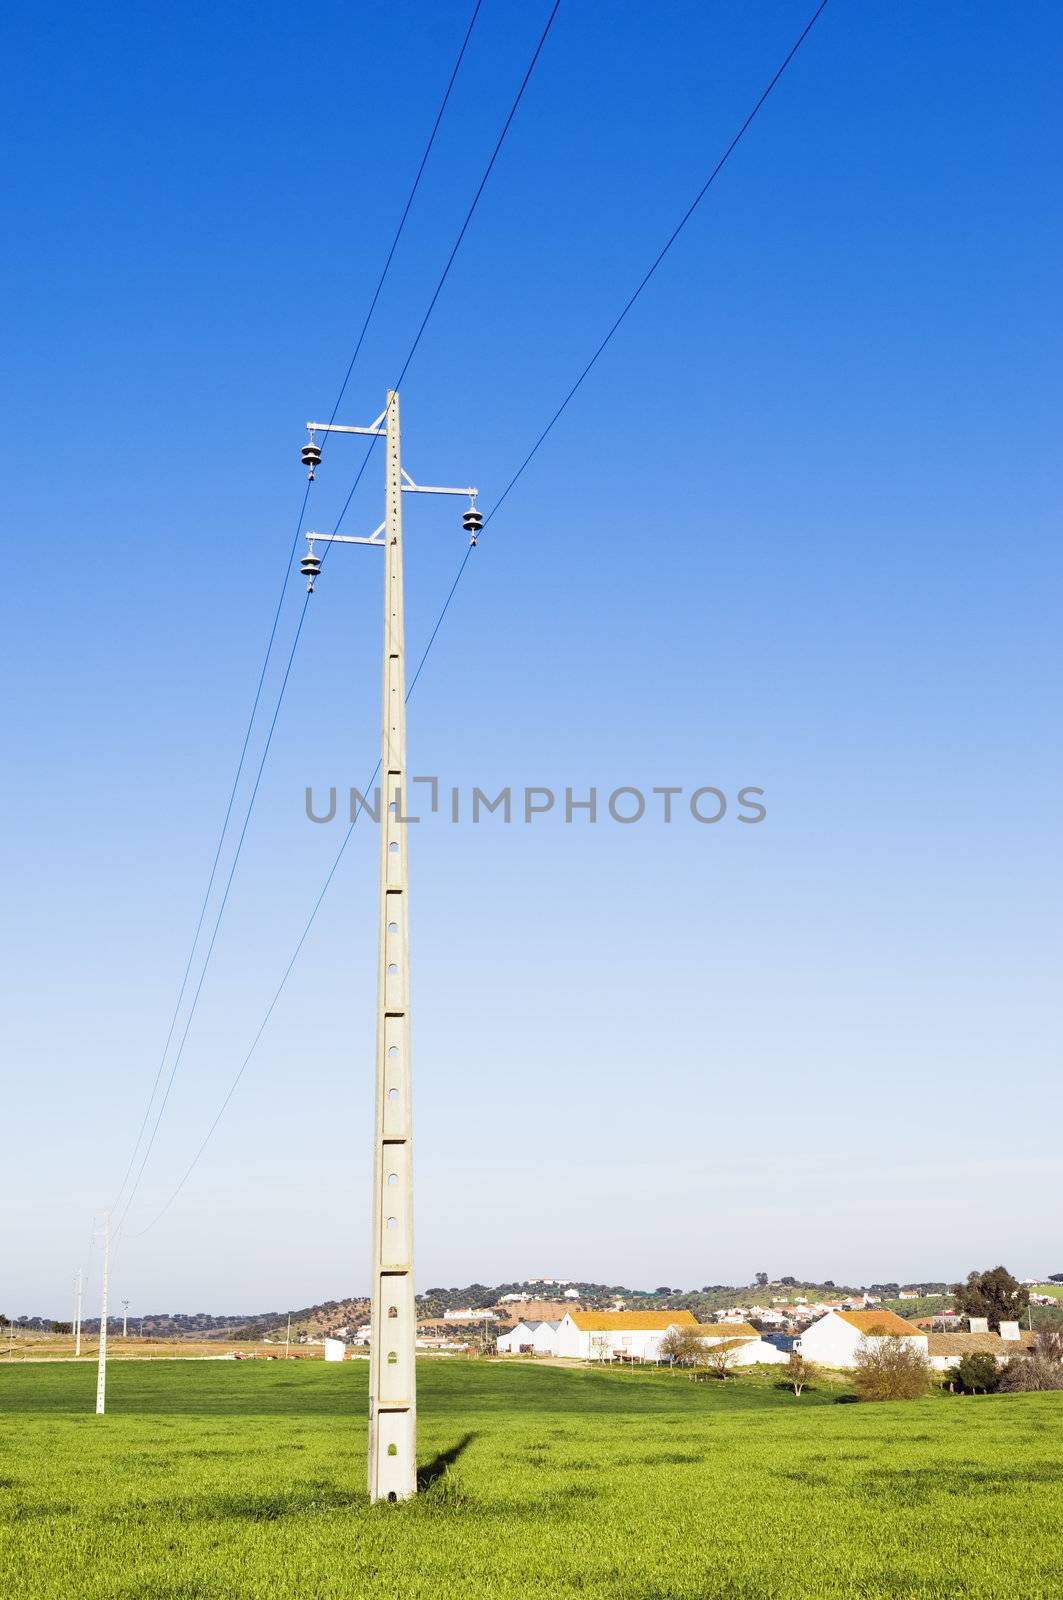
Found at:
[216, 1479]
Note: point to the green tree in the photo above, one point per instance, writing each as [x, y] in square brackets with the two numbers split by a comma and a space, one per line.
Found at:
[977, 1373]
[891, 1367]
[994, 1294]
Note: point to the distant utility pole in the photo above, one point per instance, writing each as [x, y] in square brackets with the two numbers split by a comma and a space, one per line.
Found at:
[393, 1318]
[125, 1319]
[288, 1336]
[77, 1314]
[101, 1368]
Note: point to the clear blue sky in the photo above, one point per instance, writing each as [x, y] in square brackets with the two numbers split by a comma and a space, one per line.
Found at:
[799, 530]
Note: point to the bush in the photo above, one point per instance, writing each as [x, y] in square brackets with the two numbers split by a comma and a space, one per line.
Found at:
[977, 1373]
[891, 1367]
[1031, 1373]
[800, 1373]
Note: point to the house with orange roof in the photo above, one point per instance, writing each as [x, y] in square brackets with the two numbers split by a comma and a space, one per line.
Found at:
[834, 1338]
[612, 1335]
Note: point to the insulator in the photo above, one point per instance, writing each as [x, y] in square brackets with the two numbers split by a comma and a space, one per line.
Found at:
[472, 521]
[310, 565]
[311, 457]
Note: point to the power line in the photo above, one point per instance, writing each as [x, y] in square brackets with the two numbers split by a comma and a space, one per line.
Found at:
[273, 628]
[410, 355]
[262, 1027]
[659, 258]
[295, 643]
[217, 921]
[406, 209]
[669, 242]
[302, 937]
[456, 247]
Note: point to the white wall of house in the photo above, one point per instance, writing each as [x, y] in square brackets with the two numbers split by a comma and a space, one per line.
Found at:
[834, 1342]
[544, 1338]
[757, 1353]
[600, 1344]
[508, 1344]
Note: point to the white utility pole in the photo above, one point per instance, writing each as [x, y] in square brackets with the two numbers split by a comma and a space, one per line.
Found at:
[393, 1318]
[288, 1336]
[77, 1314]
[101, 1369]
[125, 1319]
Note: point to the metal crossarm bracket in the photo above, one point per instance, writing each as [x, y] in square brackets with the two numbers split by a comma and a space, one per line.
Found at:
[348, 538]
[409, 487]
[374, 429]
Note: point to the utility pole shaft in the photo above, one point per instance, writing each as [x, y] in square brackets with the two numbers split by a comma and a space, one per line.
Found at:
[288, 1336]
[101, 1369]
[392, 1404]
[393, 1317]
[125, 1319]
[77, 1314]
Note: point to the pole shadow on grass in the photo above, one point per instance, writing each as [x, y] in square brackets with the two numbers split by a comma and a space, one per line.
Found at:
[446, 1458]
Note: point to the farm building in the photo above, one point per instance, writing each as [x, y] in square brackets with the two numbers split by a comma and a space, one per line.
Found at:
[606, 1335]
[948, 1349]
[835, 1338]
[750, 1349]
[529, 1338]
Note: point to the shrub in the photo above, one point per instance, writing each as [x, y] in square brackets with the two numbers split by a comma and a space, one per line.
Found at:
[977, 1373]
[1049, 1344]
[891, 1367]
[1030, 1373]
[682, 1346]
[720, 1359]
[800, 1372]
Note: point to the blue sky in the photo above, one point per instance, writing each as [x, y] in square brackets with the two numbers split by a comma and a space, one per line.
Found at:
[797, 531]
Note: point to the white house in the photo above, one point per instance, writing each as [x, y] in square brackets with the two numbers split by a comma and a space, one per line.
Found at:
[750, 1350]
[518, 1338]
[835, 1338]
[605, 1335]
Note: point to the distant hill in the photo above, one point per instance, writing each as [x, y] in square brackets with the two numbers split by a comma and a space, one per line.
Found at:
[334, 1316]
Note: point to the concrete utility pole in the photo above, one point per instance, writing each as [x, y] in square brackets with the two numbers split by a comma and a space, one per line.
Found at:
[393, 1319]
[288, 1336]
[125, 1319]
[77, 1314]
[101, 1368]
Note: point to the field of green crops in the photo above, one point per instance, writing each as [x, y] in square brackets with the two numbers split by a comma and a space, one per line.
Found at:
[231, 1480]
